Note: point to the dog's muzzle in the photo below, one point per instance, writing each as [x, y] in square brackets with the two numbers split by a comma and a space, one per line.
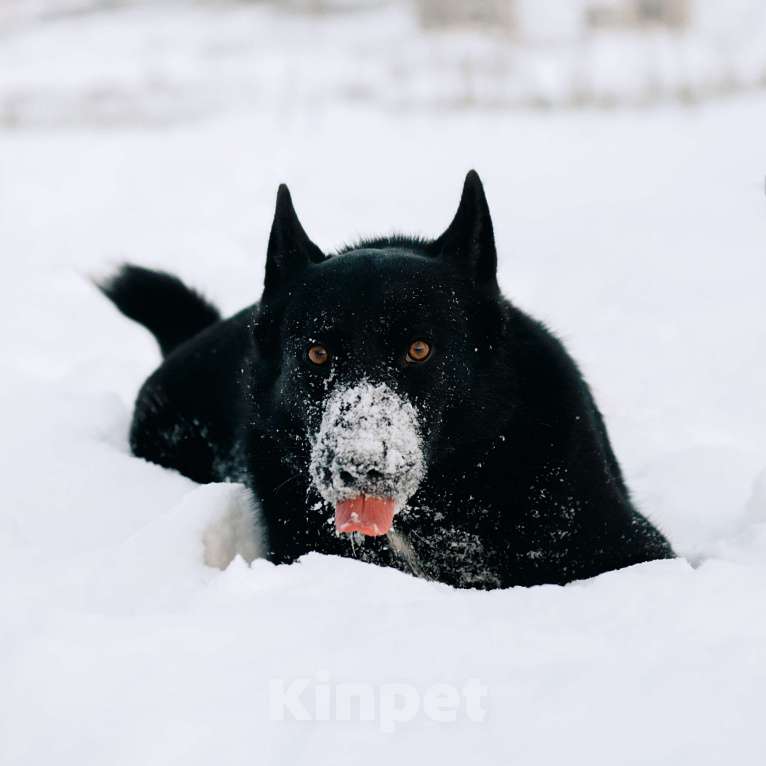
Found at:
[367, 457]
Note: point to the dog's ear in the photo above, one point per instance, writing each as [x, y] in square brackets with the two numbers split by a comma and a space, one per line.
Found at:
[469, 242]
[290, 250]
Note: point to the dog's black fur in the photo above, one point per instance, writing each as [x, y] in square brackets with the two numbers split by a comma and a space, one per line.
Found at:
[521, 485]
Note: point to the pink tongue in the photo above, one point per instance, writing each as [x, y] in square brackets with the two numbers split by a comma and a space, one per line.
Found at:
[368, 515]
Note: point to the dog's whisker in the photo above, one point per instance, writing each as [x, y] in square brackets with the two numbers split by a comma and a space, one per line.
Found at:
[285, 482]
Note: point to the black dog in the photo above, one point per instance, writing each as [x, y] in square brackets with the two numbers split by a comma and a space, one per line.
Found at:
[451, 433]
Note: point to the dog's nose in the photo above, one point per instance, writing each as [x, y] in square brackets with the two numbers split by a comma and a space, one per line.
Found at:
[368, 444]
[355, 477]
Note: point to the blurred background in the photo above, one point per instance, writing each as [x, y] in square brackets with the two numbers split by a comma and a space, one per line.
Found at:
[107, 61]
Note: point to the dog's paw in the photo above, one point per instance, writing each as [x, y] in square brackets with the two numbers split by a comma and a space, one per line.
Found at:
[234, 532]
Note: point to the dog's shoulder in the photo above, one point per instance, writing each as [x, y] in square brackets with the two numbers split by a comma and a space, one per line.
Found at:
[188, 410]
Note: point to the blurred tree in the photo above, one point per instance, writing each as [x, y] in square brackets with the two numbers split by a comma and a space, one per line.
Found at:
[488, 14]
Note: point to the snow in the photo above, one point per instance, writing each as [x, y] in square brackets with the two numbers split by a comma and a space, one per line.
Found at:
[638, 235]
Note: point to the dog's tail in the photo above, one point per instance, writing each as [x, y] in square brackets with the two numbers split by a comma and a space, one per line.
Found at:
[162, 303]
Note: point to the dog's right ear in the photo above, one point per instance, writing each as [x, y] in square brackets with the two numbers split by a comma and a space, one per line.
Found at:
[469, 242]
[290, 250]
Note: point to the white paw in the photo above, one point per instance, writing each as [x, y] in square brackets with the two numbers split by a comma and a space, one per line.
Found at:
[235, 532]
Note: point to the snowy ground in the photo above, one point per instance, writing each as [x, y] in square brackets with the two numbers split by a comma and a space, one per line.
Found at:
[638, 235]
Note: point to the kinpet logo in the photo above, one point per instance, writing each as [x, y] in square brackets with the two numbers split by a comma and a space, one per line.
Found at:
[388, 704]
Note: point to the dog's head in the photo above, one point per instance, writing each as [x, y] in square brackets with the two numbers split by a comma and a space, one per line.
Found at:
[373, 350]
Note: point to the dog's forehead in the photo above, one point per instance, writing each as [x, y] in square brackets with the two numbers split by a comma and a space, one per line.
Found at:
[381, 266]
[371, 285]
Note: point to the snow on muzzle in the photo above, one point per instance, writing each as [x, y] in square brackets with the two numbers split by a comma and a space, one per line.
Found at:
[367, 458]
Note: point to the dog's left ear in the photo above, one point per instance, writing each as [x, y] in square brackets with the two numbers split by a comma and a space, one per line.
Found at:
[290, 250]
[469, 242]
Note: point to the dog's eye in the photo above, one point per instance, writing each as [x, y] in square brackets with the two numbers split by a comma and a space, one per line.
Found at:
[418, 351]
[318, 354]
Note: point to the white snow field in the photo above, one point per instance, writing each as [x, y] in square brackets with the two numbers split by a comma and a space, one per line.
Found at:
[638, 235]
